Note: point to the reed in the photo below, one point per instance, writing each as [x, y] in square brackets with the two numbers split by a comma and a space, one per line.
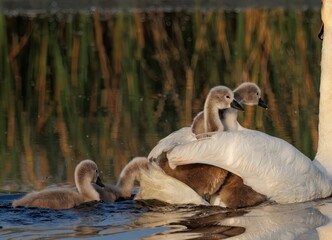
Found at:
[109, 86]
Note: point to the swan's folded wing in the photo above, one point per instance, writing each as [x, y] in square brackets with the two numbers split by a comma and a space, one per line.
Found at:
[267, 164]
[181, 136]
[155, 184]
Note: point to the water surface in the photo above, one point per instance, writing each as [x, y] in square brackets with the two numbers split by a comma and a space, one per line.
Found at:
[107, 83]
[133, 220]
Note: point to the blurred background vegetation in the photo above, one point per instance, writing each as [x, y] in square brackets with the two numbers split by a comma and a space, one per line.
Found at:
[107, 86]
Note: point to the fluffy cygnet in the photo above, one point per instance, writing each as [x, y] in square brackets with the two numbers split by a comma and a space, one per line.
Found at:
[86, 173]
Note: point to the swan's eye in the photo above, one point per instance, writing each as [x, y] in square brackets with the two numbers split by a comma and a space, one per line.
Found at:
[228, 96]
[96, 170]
[257, 94]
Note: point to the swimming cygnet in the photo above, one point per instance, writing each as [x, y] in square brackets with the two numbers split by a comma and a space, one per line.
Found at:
[86, 172]
[207, 180]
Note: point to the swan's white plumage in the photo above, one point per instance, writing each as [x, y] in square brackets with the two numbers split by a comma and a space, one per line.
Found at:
[155, 184]
[324, 151]
[270, 165]
[178, 137]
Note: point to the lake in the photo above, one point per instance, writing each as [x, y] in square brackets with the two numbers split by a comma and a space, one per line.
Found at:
[107, 80]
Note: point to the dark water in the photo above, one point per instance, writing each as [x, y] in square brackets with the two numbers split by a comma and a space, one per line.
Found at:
[121, 220]
[105, 80]
[133, 220]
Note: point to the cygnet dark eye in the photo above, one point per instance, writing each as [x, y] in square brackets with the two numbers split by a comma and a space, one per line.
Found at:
[96, 170]
[227, 96]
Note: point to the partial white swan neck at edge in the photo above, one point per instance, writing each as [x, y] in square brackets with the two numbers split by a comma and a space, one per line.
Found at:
[324, 151]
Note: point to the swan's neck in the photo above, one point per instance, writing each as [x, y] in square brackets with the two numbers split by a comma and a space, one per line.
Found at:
[85, 188]
[324, 152]
[212, 122]
[229, 119]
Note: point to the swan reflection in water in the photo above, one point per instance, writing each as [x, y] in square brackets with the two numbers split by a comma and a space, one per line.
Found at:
[130, 219]
[310, 220]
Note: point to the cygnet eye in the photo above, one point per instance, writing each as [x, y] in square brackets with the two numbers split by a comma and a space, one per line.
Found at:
[96, 170]
[228, 96]
[257, 94]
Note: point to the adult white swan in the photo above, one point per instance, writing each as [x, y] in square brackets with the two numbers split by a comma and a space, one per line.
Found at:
[205, 179]
[270, 165]
[155, 183]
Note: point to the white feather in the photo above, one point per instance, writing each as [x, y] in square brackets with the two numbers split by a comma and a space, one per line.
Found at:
[179, 137]
[270, 165]
[155, 184]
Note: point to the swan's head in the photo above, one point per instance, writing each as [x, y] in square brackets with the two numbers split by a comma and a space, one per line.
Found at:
[222, 97]
[249, 94]
[87, 172]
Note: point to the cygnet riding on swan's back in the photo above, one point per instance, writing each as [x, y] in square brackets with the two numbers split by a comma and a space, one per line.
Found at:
[246, 93]
[213, 104]
[206, 180]
[208, 120]
[86, 173]
[272, 166]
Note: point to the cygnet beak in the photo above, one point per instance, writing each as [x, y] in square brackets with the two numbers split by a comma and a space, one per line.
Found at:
[99, 182]
[236, 105]
[262, 104]
[321, 32]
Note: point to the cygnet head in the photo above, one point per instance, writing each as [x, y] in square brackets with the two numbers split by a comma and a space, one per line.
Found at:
[222, 97]
[249, 94]
[86, 172]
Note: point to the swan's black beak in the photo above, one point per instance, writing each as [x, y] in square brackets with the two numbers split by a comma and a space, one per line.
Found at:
[236, 105]
[99, 182]
[321, 32]
[262, 104]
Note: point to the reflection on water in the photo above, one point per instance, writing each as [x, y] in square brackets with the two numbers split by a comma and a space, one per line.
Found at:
[107, 86]
[133, 220]
[295, 221]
